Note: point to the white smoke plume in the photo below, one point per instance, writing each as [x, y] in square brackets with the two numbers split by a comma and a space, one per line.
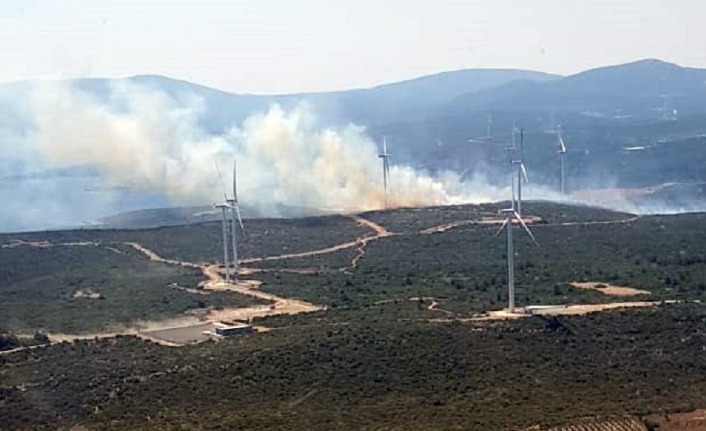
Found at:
[139, 138]
[144, 139]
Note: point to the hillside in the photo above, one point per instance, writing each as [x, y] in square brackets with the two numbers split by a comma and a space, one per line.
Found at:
[349, 262]
[400, 331]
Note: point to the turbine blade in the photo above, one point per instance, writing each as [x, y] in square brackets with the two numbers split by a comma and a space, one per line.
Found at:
[562, 145]
[240, 219]
[505, 223]
[524, 226]
[220, 180]
[524, 172]
[384, 145]
[235, 189]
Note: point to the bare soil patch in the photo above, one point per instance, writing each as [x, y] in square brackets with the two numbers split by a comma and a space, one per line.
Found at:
[693, 421]
[529, 219]
[609, 289]
[446, 226]
[180, 335]
[18, 242]
[86, 293]
[564, 310]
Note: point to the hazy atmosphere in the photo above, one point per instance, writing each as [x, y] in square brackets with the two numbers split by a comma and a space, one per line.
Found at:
[121, 106]
[276, 215]
[285, 46]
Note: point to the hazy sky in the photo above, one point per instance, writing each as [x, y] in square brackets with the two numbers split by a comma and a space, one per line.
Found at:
[271, 46]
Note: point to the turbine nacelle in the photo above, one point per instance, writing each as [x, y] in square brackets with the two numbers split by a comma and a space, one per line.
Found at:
[384, 153]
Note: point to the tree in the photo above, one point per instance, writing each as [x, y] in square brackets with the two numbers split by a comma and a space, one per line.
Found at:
[8, 341]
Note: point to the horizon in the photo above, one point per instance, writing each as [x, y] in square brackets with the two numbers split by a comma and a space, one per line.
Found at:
[314, 46]
[381, 84]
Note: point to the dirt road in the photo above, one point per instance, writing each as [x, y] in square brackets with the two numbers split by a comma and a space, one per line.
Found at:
[157, 258]
[215, 282]
[379, 230]
[484, 221]
[279, 305]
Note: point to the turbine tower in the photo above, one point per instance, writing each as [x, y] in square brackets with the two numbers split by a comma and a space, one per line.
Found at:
[224, 225]
[562, 157]
[385, 166]
[235, 212]
[230, 210]
[510, 213]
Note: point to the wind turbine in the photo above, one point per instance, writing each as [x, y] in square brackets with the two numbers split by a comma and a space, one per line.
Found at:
[521, 170]
[488, 138]
[385, 166]
[230, 210]
[510, 213]
[562, 157]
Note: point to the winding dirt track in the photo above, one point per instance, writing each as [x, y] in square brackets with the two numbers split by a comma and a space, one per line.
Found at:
[446, 226]
[484, 221]
[595, 223]
[157, 258]
[279, 305]
[215, 282]
[380, 232]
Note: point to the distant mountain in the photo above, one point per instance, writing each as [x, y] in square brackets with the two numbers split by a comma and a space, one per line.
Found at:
[374, 107]
[364, 106]
[608, 107]
[415, 96]
[645, 89]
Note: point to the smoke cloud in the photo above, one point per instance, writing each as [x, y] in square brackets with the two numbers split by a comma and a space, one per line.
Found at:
[140, 138]
[144, 139]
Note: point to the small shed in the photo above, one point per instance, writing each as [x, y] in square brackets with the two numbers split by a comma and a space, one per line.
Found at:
[228, 330]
